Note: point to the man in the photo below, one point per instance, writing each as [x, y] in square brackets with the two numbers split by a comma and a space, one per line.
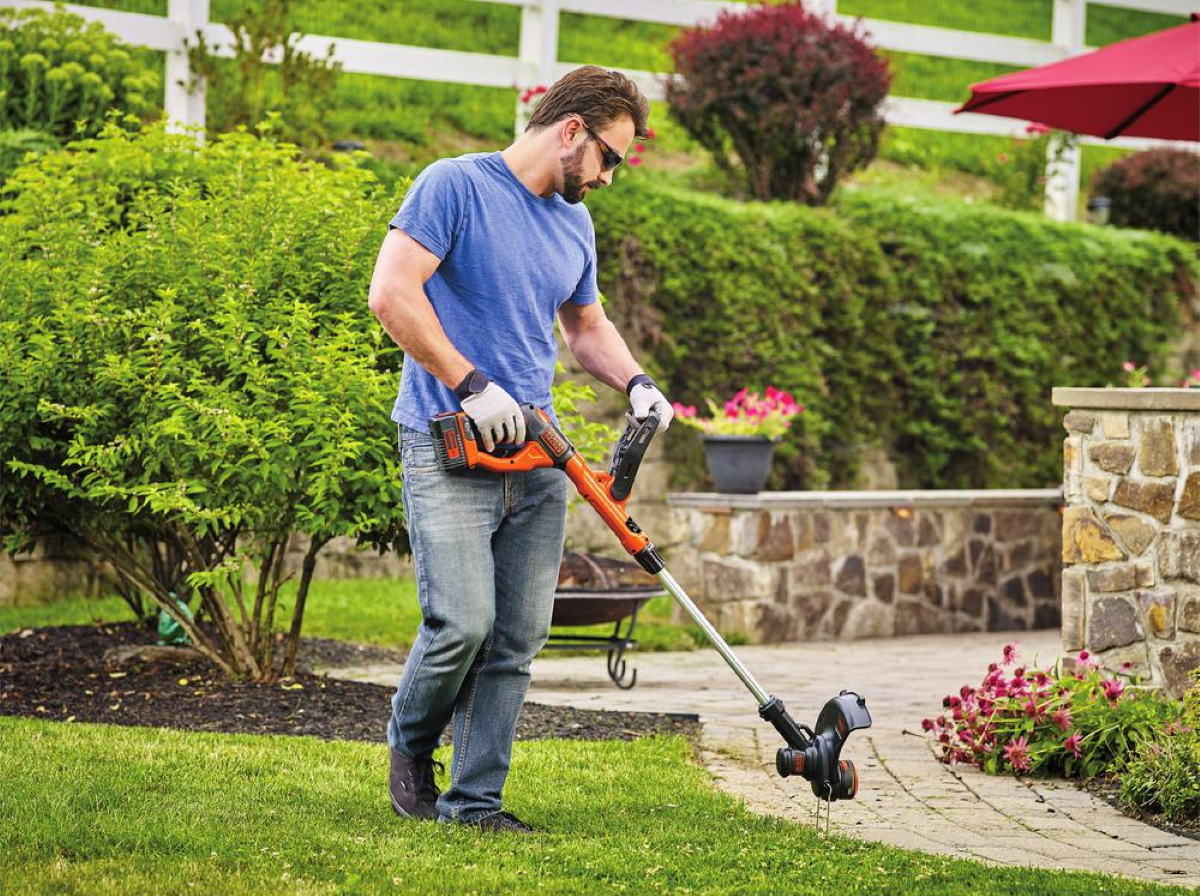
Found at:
[485, 250]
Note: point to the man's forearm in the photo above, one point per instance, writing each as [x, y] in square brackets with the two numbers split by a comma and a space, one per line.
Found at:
[414, 326]
[603, 353]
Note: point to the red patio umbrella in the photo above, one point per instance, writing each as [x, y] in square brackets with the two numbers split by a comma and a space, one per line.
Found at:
[1144, 87]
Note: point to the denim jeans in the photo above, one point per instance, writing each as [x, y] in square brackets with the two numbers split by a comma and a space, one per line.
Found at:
[487, 549]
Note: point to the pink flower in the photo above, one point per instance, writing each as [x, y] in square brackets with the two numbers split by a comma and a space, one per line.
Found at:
[1017, 753]
[634, 161]
[1085, 660]
[1113, 688]
[927, 724]
[1128, 367]
[1010, 653]
[1062, 718]
[650, 135]
[1072, 745]
[639, 147]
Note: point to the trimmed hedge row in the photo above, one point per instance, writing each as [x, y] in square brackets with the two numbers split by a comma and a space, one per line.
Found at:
[934, 329]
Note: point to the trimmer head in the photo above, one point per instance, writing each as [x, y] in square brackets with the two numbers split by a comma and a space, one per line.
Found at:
[816, 755]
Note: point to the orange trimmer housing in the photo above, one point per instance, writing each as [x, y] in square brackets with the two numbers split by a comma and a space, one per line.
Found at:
[458, 449]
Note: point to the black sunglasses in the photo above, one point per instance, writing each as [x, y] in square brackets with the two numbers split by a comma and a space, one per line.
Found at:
[610, 158]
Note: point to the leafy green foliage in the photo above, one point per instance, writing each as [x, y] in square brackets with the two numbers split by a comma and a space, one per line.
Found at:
[1163, 776]
[189, 372]
[15, 145]
[248, 87]
[60, 74]
[934, 328]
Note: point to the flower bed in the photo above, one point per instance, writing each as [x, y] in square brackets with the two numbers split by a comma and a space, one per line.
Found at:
[1078, 722]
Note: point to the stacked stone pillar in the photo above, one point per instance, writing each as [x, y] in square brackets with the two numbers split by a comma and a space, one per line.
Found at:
[1131, 530]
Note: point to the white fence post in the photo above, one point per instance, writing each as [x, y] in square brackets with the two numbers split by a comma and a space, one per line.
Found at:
[184, 107]
[538, 51]
[825, 8]
[1062, 180]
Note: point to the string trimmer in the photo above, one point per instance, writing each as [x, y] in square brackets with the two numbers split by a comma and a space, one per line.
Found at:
[815, 755]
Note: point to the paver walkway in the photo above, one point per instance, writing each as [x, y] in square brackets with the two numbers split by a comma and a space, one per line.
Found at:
[906, 798]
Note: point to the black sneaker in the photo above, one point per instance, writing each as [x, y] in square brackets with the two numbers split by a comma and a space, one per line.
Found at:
[500, 821]
[411, 785]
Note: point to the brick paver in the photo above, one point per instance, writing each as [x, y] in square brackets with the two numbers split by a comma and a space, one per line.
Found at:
[906, 798]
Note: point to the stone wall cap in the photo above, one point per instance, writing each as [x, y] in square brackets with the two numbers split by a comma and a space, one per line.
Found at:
[1154, 399]
[994, 497]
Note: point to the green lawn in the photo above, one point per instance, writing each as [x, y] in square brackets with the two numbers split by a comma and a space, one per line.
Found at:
[365, 611]
[98, 810]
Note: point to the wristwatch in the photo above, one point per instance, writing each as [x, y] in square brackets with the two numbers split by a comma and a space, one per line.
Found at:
[473, 383]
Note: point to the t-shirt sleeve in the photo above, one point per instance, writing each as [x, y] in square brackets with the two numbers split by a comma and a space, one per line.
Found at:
[434, 207]
[587, 291]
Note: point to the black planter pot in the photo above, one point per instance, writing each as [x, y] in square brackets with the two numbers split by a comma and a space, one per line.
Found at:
[739, 464]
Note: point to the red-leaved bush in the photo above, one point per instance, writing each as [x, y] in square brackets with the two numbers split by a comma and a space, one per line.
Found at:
[797, 100]
[1158, 189]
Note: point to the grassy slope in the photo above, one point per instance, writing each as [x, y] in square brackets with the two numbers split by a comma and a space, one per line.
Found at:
[415, 111]
[98, 810]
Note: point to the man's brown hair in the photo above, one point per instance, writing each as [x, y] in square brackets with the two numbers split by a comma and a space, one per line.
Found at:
[597, 95]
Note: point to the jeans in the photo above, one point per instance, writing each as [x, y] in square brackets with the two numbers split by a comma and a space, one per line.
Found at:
[487, 549]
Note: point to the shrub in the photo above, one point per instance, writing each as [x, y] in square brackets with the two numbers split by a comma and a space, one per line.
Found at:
[190, 374]
[1020, 173]
[1164, 775]
[243, 91]
[61, 75]
[16, 145]
[994, 307]
[932, 328]
[1158, 189]
[1081, 723]
[797, 100]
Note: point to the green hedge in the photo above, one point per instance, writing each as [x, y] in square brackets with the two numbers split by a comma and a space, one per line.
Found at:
[934, 328]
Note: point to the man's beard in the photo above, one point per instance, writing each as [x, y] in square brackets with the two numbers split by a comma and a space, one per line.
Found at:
[572, 174]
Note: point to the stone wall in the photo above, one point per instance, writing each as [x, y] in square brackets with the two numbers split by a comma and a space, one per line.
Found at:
[785, 566]
[1131, 530]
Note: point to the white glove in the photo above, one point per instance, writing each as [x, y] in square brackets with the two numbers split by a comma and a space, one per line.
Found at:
[497, 416]
[645, 397]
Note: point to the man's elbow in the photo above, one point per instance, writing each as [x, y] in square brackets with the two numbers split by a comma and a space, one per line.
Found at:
[380, 300]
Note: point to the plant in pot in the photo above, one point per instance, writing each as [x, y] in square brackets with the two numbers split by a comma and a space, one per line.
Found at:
[740, 442]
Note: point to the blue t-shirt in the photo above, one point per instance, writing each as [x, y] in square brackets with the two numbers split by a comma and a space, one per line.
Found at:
[509, 259]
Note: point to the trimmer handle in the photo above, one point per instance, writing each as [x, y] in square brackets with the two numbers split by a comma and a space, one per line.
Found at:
[629, 451]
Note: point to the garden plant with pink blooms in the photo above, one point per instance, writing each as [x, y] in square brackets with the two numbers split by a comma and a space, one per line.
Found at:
[1079, 723]
[746, 414]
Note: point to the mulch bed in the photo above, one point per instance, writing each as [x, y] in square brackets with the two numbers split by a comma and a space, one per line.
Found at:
[59, 673]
